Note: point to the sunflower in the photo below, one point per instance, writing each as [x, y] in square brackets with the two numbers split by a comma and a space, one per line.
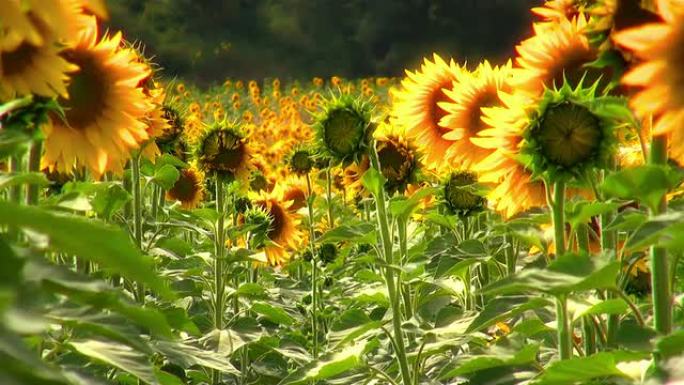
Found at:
[342, 128]
[188, 189]
[460, 193]
[554, 53]
[223, 150]
[472, 92]
[616, 15]
[556, 10]
[105, 110]
[398, 158]
[295, 191]
[416, 106]
[660, 76]
[301, 160]
[515, 188]
[283, 230]
[30, 46]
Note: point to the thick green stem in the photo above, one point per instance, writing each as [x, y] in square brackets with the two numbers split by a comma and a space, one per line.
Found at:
[583, 238]
[219, 247]
[563, 325]
[511, 258]
[403, 257]
[314, 267]
[589, 336]
[392, 284]
[660, 275]
[33, 191]
[558, 213]
[137, 214]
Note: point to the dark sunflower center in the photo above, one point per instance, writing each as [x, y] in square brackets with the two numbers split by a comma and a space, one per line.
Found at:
[629, 13]
[297, 196]
[395, 161]
[277, 222]
[344, 130]
[88, 91]
[186, 187]
[224, 151]
[458, 192]
[436, 112]
[489, 98]
[301, 161]
[175, 127]
[569, 134]
[571, 65]
[17, 61]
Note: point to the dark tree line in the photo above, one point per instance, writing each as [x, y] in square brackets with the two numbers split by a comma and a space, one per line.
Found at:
[208, 40]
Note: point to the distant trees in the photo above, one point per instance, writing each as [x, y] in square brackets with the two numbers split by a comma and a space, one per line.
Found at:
[207, 40]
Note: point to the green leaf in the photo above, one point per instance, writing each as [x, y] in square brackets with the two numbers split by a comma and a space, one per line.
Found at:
[360, 232]
[671, 345]
[373, 181]
[648, 184]
[105, 245]
[187, 355]
[31, 178]
[252, 290]
[166, 176]
[504, 308]
[118, 355]
[609, 306]
[328, 366]
[581, 370]
[273, 313]
[351, 324]
[403, 208]
[582, 212]
[568, 273]
[23, 365]
[665, 227]
[496, 357]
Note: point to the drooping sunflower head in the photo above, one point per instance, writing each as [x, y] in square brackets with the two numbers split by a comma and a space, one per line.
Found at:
[399, 161]
[567, 134]
[659, 76]
[473, 92]
[283, 232]
[301, 160]
[295, 191]
[416, 106]
[461, 193]
[171, 132]
[188, 189]
[342, 128]
[105, 109]
[616, 15]
[224, 151]
[258, 220]
[258, 181]
[555, 53]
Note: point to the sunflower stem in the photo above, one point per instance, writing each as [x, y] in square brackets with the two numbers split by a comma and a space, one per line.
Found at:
[328, 195]
[136, 190]
[660, 276]
[33, 191]
[558, 214]
[509, 255]
[563, 326]
[314, 268]
[219, 247]
[403, 257]
[391, 282]
[582, 233]
[609, 243]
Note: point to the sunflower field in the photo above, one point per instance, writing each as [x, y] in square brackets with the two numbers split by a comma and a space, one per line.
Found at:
[470, 223]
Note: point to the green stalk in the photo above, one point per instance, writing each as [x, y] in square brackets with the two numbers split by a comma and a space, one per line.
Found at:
[137, 214]
[328, 195]
[314, 267]
[219, 247]
[33, 191]
[583, 237]
[509, 255]
[557, 211]
[589, 334]
[609, 243]
[660, 276]
[563, 325]
[403, 251]
[392, 284]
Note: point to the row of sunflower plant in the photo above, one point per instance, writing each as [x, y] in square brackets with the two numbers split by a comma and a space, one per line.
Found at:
[518, 223]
